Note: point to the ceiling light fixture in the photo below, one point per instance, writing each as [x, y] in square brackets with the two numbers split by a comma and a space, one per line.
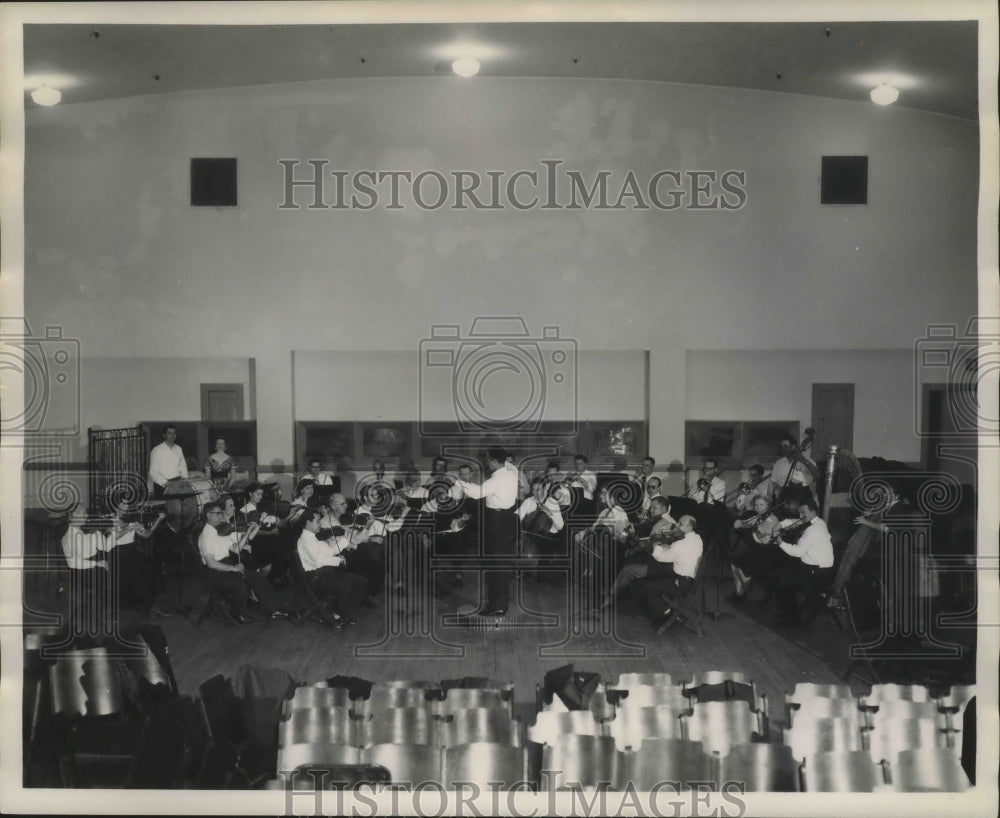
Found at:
[46, 95]
[884, 94]
[465, 67]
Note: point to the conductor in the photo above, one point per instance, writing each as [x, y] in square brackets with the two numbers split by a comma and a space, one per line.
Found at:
[499, 492]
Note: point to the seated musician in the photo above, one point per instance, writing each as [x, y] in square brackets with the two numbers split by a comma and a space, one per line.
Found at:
[710, 488]
[220, 548]
[558, 490]
[325, 565]
[756, 486]
[657, 521]
[251, 510]
[754, 550]
[103, 557]
[316, 474]
[300, 502]
[650, 489]
[645, 472]
[674, 570]
[584, 477]
[640, 560]
[412, 487]
[804, 565]
[612, 519]
[793, 470]
[541, 519]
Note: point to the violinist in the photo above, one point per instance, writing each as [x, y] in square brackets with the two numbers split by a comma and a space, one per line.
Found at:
[806, 564]
[251, 511]
[304, 490]
[220, 548]
[754, 534]
[325, 565]
[584, 477]
[651, 489]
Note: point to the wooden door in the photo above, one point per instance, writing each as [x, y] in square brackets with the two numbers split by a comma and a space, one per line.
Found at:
[222, 401]
[832, 417]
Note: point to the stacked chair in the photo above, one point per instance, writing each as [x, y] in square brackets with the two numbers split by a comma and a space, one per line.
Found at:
[403, 734]
[895, 738]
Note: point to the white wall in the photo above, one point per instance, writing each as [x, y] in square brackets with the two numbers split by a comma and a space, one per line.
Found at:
[777, 385]
[115, 254]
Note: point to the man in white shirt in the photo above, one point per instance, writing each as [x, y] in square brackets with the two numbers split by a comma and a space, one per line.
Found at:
[806, 565]
[499, 492]
[674, 568]
[325, 566]
[166, 462]
[645, 472]
[792, 469]
[710, 488]
[585, 477]
[612, 518]
[641, 563]
[316, 474]
[651, 489]
[553, 521]
[756, 485]
[219, 552]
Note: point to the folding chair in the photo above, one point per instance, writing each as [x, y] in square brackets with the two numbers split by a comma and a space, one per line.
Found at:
[683, 607]
[307, 600]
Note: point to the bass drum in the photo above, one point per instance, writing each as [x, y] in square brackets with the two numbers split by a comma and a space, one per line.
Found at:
[185, 511]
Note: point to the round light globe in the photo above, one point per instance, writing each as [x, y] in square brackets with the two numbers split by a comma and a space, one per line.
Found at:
[465, 67]
[884, 94]
[46, 96]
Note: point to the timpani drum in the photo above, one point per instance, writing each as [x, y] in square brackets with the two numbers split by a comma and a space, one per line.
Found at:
[185, 510]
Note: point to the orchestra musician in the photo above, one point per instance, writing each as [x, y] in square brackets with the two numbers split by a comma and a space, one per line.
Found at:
[584, 477]
[642, 562]
[541, 520]
[316, 474]
[220, 548]
[325, 566]
[300, 502]
[755, 486]
[166, 462]
[794, 469]
[611, 518]
[651, 489]
[806, 564]
[675, 567]
[645, 472]
[499, 491]
[754, 550]
[710, 488]
[219, 467]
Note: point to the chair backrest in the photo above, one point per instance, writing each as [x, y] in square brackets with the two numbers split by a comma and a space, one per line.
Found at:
[600, 706]
[817, 736]
[223, 709]
[464, 698]
[85, 683]
[410, 764]
[845, 771]
[549, 726]
[293, 756]
[311, 696]
[760, 768]
[492, 725]
[627, 680]
[332, 725]
[892, 692]
[398, 725]
[387, 695]
[928, 769]
[805, 691]
[483, 765]
[649, 696]
[720, 725]
[670, 763]
[812, 709]
[898, 709]
[585, 761]
[159, 758]
[890, 738]
[633, 725]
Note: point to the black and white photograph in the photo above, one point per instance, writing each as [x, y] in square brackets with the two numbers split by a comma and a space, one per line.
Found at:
[567, 408]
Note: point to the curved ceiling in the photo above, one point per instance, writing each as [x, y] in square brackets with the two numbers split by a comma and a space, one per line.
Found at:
[934, 64]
